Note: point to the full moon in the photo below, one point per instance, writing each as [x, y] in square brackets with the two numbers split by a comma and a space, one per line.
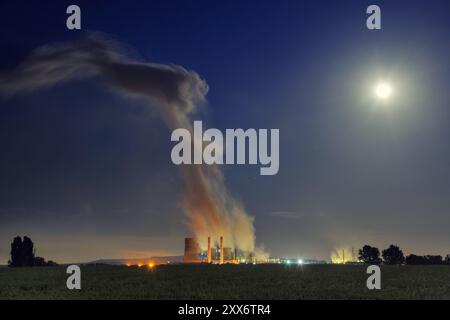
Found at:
[383, 91]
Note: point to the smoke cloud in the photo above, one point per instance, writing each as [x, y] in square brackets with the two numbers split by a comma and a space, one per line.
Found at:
[175, 91]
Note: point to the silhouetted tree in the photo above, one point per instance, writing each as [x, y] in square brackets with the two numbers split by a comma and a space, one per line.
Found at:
[412, 259]
[28, 252]
[393, 255]
[447, 259]
[39, 262]
[23, 254]
[16, 253]
[51, 263]
[435, 260]
[370, 255]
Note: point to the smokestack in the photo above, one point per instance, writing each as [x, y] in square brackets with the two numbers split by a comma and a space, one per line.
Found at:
[209, 249]
[221, 250]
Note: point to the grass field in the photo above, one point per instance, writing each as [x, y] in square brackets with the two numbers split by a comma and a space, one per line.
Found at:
[227, 282]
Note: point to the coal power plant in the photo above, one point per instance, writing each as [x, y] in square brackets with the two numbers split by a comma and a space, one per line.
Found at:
[215, 253]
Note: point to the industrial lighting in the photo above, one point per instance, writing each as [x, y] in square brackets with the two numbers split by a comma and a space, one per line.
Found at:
[288, 261]
[300, 261]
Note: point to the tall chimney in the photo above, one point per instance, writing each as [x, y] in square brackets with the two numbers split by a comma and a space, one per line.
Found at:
[209, 250]
[221, 250]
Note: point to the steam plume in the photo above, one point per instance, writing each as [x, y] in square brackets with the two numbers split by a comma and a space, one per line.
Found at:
[343, 255]
[175, 91]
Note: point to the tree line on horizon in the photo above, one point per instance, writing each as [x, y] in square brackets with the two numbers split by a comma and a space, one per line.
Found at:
[394, 256]
[23, 254]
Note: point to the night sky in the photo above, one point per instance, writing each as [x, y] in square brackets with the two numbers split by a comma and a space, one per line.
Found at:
[87, 174]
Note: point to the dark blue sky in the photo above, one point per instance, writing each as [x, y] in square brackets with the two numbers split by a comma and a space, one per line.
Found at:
[79, 165]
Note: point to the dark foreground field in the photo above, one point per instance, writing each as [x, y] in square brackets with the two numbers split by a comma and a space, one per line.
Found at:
[227, 282]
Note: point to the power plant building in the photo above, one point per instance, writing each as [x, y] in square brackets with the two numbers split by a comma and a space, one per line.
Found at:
[214, 254]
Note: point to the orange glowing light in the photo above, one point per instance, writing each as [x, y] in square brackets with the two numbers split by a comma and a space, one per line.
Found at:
[139, 265]
[151, 265]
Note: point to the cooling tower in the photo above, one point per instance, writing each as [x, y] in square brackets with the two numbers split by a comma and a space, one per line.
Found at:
[191, 250]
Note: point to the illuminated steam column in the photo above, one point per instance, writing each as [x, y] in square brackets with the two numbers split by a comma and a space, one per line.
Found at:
[221, 250]
[209, 250]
